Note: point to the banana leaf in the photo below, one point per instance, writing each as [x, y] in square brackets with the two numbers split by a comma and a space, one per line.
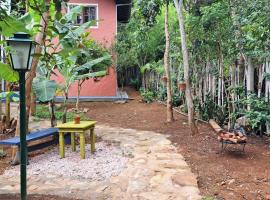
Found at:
[44, 89]
[7, 73]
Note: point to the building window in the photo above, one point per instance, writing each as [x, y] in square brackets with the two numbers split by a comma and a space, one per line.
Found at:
[89, 13]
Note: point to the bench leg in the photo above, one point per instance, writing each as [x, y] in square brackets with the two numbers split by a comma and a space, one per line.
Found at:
[82, 145]
[73, 145]
[93, 140]
[61, 144]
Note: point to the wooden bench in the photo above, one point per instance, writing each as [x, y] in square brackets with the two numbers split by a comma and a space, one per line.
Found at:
[33, 136]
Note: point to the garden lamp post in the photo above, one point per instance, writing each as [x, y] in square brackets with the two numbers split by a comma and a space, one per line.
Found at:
[20, 55]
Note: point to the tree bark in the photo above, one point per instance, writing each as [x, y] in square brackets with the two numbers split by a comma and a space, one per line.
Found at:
[221, 76]
[7, 106]
[250, 76]
[267, 90]
[32, 74]
[52, 112]
[64, 119]
[33, 105]
[191, 119]
[260, 76]
[167, 66]
[78, 95]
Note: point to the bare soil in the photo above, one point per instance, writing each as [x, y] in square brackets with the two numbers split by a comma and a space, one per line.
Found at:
[232, 175]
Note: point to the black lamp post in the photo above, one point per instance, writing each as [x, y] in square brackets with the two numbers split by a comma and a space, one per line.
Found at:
[21, 60]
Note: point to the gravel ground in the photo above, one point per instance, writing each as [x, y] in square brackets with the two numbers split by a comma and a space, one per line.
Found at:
[107, 161]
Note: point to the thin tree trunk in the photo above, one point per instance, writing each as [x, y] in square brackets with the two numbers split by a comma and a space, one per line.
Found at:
[33, 105]
[250, 76]
[32, 74]
[7, 106]
[260, 75]
[191, 119]
[220, 78]
[267, 90]
[213, 88]
[167, 66]
[78, 96]
[52, 112]
[64, 119]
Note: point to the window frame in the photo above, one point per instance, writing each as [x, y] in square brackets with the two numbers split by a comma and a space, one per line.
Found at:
[87, 5]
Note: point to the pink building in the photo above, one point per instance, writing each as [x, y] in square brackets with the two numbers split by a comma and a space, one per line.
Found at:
[108, 14]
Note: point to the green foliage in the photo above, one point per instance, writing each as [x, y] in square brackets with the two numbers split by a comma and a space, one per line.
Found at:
[2, 153]
[44, 89]
[135, 83]
[147, 95]
[210, 110]
[42, 112]
[149, 9]
[10, 25]
[258, 111]
[7, 73]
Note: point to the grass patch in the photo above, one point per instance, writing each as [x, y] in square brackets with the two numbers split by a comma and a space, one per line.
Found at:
[42, 112]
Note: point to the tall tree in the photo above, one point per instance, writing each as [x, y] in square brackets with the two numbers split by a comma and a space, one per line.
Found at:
[39, 39]
[167, 65]
[191, 120]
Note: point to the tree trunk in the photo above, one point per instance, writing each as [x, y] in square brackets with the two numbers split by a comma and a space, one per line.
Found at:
[78, 95]
[250, 76]
[52, 112]
[33, 104]
[167, 66]
[7, 106]
[64, 119]
[191, 120]
[220, 77]
[260, 76]
[267, 90]
[32, 74]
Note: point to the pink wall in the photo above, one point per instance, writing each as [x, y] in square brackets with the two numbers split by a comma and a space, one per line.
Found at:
[105, 34]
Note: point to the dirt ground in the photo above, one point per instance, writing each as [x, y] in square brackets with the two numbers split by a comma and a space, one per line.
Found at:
[229, 175]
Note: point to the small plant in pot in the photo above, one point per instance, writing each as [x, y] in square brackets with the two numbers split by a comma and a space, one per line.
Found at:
[182, 86]
[77, 119]
[164, 79]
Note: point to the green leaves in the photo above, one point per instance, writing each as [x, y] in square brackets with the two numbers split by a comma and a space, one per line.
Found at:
[89, 65]
[44, 89]
[10, 25]
[7, 73]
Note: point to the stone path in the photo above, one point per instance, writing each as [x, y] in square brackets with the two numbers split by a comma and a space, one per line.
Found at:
[154, 171]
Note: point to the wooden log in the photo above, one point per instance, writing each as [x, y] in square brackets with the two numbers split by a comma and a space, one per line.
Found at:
[215, 126]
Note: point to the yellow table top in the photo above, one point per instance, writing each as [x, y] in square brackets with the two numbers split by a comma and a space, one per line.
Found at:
[82, 125]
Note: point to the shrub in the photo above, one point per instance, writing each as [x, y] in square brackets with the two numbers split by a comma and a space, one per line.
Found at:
[147, 95]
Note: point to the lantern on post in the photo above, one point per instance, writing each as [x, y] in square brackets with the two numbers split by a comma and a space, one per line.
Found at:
[22, 48]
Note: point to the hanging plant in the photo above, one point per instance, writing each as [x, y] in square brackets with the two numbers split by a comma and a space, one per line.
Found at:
[164, 79]
[182, 86]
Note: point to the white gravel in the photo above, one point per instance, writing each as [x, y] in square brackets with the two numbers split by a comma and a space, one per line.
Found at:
[107, 161]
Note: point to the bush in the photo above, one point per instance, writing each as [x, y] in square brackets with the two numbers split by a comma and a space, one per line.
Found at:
[147, 95]
[42, 112]
[135, 83]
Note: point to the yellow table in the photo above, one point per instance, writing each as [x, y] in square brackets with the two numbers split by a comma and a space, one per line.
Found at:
[72, 128]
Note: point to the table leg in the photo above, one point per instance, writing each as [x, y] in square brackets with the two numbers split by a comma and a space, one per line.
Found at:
[73, 145]
[82, 145]
[93, 140]
[61, 144]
